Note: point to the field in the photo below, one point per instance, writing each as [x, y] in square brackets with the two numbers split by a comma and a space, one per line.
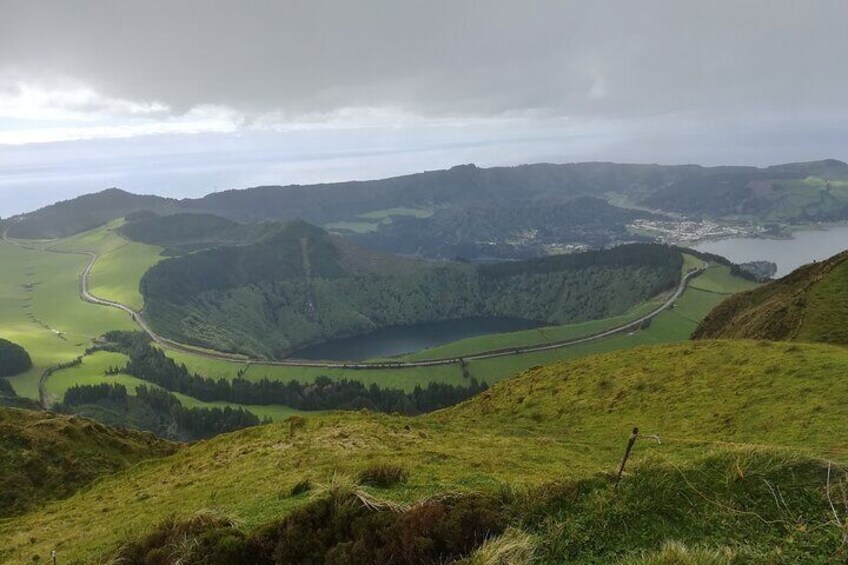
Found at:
[718, 456]
[120, 263]
[403, 211]
[371, 220]
[40, 309]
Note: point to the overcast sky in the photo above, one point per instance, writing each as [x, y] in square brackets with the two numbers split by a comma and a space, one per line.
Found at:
[185, 97]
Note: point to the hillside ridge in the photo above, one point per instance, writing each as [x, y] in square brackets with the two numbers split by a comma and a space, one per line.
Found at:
[46, 456]
[809, 304]
[690, 189]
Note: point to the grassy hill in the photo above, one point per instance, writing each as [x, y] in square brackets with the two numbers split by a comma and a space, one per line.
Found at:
[302, 285]
[713, 470]
[810, 304]
[45, 456]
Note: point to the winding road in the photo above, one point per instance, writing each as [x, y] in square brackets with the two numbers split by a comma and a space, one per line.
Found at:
[166, 343]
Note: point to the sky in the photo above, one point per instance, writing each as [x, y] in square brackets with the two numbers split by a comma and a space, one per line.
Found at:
[182, 98]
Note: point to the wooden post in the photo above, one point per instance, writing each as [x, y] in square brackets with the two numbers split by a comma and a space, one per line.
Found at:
[630, 443]
[53, 556]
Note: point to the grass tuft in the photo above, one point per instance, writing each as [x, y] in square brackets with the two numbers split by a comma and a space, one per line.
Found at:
[383, 475]
[513, 547]
[677, 553]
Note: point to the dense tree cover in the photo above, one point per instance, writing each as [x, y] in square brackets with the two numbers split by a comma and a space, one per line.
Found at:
[767, 193]
[760, 270]
[304, 286]
[13, 359]
[153, 410]
[183, 233]
[6, 388]
[152, 365]
[491, 230]
[690, 189]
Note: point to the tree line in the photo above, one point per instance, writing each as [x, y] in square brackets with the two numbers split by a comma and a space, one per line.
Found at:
[152, 365]
[154, 410]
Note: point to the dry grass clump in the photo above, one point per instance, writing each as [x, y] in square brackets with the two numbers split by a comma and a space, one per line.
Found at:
[513, 547]
[677, 553]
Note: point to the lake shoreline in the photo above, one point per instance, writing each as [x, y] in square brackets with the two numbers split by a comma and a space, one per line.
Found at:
[808, 243]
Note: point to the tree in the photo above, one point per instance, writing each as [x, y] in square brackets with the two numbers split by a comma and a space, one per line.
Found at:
[13, 359]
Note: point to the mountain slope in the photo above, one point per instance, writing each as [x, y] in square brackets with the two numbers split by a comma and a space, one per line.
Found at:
[45, 456]
[86, 212]
[791, 192]
[810, 304]
[184, 233]
[302, 285]
[707, 479]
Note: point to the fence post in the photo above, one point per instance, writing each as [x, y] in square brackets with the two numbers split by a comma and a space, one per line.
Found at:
[630, 443]
[53, 556]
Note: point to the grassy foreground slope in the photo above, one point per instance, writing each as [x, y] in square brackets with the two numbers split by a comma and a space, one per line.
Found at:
[810, 304]
[711, 404]
[45, 456]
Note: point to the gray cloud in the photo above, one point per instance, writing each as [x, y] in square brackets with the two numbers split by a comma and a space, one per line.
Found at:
[766, 59]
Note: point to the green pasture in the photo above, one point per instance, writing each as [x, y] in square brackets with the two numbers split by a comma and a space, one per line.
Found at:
[41, 310]
[120, 264]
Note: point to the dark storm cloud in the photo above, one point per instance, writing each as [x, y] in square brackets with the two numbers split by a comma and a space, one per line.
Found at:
[445, 57]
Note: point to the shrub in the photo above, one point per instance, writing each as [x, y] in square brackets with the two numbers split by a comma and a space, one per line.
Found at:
[347, 530]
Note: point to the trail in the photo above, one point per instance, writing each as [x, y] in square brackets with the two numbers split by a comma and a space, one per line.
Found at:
[166, 343]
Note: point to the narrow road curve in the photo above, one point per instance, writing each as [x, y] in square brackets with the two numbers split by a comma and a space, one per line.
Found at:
[166, 343]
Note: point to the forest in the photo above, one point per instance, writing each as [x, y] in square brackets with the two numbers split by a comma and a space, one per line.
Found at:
[152, 409]
[304, 286]
[13, 359]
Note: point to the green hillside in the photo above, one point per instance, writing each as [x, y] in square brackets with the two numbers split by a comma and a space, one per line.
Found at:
[85, 213]
[505, 212]
[45, 456]
[183, 233]
[302, 286]
[713, 470]
[810, 304]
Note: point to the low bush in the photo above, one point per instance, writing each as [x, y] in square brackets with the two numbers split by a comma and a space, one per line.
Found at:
[332, 530]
